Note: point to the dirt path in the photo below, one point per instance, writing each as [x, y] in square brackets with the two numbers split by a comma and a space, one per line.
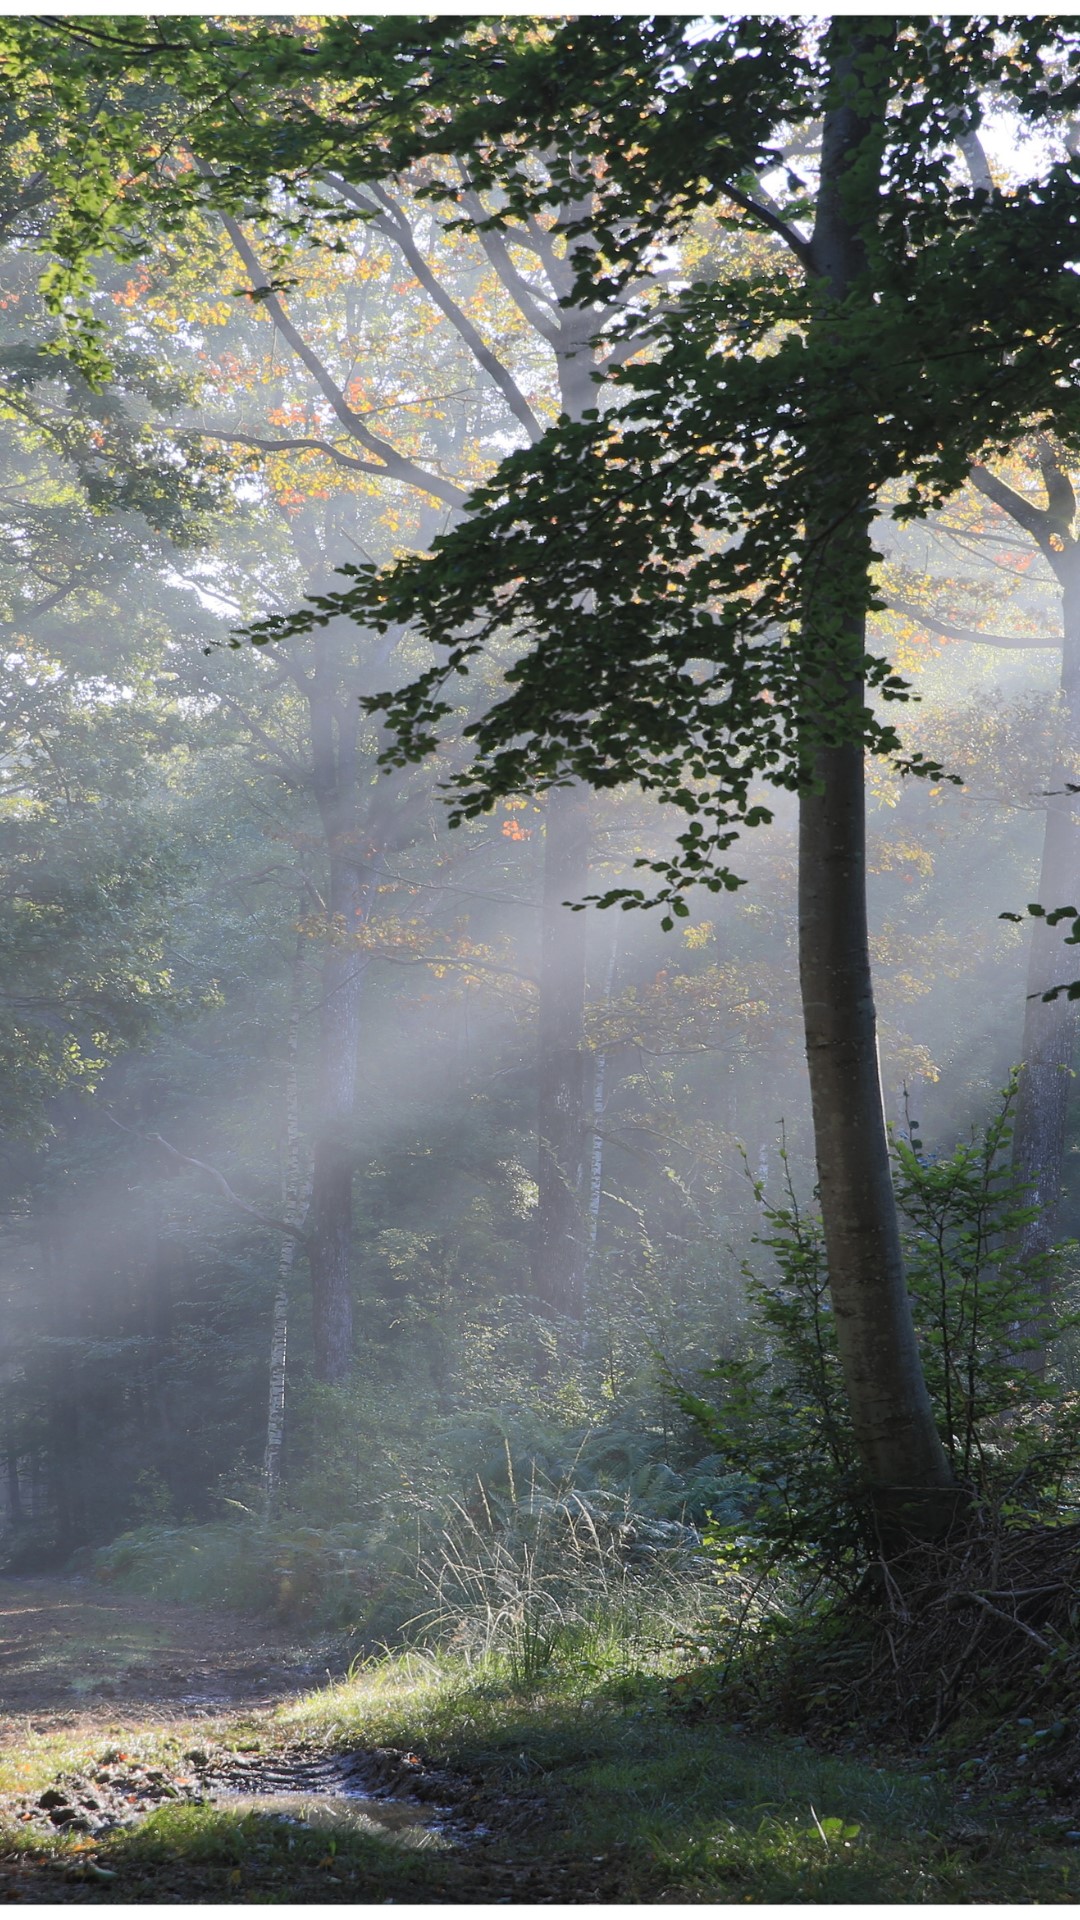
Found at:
[97, 1677]
[75, 1656]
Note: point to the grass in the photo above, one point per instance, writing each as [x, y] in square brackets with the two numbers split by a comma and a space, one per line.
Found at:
[541, 1681]
[207, 1853]
[591, 1788]
[701, 1811]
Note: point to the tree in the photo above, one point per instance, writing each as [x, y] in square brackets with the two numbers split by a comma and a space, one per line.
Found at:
[715, 521]
[529, 269]
[723, 508]
[1050, 1023]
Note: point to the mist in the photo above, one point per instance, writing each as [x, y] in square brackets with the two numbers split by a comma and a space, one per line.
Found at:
[262, 995]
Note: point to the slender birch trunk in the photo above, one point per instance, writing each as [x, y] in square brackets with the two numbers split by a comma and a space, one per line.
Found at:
[295, 1193]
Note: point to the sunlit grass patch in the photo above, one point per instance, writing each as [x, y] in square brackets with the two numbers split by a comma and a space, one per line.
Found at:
[584, 1777]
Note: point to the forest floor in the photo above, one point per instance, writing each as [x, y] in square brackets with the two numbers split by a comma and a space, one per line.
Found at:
[158, 1753]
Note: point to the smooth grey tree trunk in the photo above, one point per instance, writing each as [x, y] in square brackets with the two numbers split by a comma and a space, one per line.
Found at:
[901, 1452]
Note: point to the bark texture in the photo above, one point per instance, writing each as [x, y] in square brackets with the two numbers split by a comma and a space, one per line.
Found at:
[901, 1452]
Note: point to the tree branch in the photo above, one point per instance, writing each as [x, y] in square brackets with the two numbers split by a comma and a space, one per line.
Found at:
[466, 961]
[976, 162]
[395, 466]
[1034, 520]
[1060, 498]
[515, 283]
[949, 631]
[392, 222]
[219, 1180]
[289, 767]
[799, 247]
[280, 446]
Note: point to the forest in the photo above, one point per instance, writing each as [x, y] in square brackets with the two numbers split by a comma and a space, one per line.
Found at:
[539, 872]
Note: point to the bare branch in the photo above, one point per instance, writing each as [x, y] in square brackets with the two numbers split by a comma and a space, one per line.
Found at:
[393, 222]
[395, 466]
[219, 1180]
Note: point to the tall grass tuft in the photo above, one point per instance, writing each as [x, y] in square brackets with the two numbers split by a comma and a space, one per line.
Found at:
[549, 1576]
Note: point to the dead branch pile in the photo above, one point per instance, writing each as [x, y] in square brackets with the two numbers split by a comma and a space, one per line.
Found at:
[986, 1624]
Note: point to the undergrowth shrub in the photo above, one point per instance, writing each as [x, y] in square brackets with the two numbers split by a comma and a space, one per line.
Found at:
[507, 1537]
[1012, 1434]
[965, 1632]
[317, 1575]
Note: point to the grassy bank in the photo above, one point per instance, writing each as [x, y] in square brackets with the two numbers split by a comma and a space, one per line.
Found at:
[586, 1786]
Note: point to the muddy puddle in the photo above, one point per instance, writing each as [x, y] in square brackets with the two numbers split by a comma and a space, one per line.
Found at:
[412, 1825]
[329, 1794]
[377, 1793]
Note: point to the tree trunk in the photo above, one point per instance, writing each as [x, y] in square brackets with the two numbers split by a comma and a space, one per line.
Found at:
[596, 1150]
[64, 1408]
[294, 1200]
[892, 1417]
[563, 1233]
[560, 1246]
[903, 1460]
[1050, 1026]
[335, 1153]
[335, 718]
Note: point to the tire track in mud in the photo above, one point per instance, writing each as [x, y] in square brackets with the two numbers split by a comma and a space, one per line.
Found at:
[101, 1669]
